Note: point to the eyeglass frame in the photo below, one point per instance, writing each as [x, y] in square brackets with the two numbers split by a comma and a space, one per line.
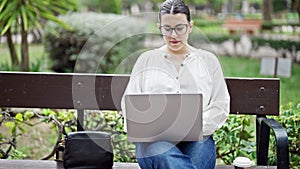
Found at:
[173, 29]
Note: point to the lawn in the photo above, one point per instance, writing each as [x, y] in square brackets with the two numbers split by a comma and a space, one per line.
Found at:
[246, 67]
[38, 59]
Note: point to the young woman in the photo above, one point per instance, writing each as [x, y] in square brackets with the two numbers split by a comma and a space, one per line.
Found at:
[177, 67]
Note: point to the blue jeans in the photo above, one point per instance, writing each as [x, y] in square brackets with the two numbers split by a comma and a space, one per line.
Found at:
[184, 155]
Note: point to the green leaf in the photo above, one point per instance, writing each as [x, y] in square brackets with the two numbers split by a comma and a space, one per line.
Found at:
[9, 23]
[19, 117]
[40, 3]
[52, 114]
[9, 11]
[32, 16]
[53, 18]
[46, 112]
[2, 5]
[28, 115]
[13, 130]
[58, 9]
[64, 4]
[245, 135]
[24, 17]
[9, 124]
[21, 129]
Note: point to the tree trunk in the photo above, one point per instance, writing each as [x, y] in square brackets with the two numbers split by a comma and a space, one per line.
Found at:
[267, 10]
[24, 49]
[298, 9]
[12, 49]
[230, 7]
[296, 5]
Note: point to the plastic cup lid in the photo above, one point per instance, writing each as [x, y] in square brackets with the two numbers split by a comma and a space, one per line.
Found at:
[242, 162]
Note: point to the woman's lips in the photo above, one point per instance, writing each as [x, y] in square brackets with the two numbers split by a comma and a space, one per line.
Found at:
[174, 42]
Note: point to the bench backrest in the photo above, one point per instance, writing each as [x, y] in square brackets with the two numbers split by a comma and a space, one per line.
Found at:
[257, 96]
[243, 23]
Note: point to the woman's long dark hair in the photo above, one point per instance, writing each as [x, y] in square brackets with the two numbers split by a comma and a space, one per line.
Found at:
[174, 7]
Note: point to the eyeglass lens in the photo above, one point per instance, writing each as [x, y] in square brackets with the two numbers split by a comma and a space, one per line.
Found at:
[179, 29]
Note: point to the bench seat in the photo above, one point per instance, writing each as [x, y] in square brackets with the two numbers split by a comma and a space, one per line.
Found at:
[48, 164]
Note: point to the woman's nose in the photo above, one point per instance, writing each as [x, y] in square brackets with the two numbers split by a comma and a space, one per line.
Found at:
[173, 33]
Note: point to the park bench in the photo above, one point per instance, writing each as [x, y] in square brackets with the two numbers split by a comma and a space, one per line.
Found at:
[245, 25]
[250, 96]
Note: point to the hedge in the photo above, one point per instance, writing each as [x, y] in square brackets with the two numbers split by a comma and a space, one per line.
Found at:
[97, 42]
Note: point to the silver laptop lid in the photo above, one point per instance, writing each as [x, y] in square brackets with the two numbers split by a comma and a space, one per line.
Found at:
[164, 117]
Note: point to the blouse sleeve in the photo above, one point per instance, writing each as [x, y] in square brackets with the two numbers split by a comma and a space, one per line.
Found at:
[217, 111]
[135, 84]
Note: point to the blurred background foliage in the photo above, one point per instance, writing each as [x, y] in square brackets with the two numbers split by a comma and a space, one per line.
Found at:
[98, 43]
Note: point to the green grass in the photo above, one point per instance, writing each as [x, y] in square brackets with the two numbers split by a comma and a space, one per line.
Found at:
[212, 30]
[246, 67]
[37, 57]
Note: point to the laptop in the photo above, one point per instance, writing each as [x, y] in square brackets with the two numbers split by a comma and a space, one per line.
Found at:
[164, 117]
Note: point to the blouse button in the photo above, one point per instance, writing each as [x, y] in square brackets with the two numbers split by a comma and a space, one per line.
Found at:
[177, 77]
[181, 65]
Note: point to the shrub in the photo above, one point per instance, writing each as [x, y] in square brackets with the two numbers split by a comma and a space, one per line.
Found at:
[260, 41]
[97, 43]
[277, 44]
[239, 134]
[272, 25]
[112, 122]
[290, 120]
[235, 138]
[17, 125]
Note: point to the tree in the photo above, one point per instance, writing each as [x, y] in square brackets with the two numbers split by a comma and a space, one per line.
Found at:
[111, 6]
[279, 5]
[105, 6]
[20, 16]
[296, 6]
[267, 10]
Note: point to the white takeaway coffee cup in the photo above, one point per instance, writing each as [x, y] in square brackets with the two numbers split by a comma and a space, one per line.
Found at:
[242, 163]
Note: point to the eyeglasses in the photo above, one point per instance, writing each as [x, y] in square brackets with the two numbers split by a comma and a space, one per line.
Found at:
[179, 29]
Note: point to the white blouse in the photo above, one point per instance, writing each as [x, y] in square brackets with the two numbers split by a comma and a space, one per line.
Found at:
[200, 72]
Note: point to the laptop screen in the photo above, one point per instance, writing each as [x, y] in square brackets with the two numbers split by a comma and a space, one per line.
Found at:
[168, 117]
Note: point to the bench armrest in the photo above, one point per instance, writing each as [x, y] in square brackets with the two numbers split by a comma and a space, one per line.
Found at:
[263, 136]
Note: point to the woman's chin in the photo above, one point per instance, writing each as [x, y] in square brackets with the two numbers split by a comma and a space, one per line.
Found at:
[175, 48]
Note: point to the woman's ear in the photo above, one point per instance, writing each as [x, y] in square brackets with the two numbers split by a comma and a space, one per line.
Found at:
[191, 26]
[158, 25]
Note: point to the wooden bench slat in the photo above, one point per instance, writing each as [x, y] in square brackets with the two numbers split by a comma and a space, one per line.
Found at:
[99, 91]
[61, 91]
[254, 96]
